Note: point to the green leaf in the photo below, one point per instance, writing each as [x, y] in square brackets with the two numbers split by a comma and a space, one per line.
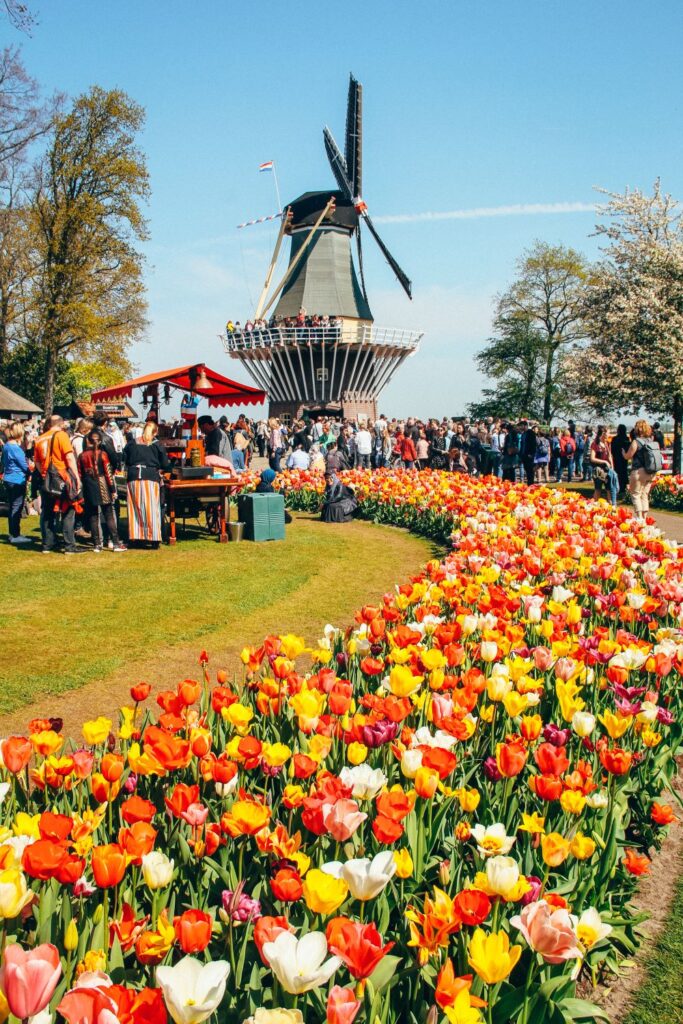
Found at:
[384, 972]
[582, 1009]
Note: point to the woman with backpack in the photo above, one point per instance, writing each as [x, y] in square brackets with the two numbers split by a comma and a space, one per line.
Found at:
[646, 461]
[542, 458]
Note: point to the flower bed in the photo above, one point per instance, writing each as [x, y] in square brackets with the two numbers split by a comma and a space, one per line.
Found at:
[439, 815]
[667, 493]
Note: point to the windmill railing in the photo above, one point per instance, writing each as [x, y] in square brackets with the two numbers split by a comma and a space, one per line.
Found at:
[345, 334]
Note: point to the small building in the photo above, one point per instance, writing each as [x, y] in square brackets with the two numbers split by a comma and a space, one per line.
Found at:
[14, 407]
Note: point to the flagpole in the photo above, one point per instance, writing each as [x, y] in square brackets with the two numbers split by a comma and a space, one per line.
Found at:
[277, 190]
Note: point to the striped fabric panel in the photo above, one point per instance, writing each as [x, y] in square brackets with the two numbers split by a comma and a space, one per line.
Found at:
[144, 510]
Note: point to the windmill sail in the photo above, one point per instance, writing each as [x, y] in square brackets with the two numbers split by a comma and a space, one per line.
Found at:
[403, 278]
[337, 163]
[353, 151]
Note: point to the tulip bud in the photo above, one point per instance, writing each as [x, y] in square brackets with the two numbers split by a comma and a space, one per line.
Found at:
[433, 1015]
[71, 936]
[444, 872]
[97, 914]
[157, 869]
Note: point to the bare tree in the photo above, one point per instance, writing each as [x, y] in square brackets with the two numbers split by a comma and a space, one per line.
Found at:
[20, 15]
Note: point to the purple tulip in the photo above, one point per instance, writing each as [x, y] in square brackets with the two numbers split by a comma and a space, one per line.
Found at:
[558, 737]
[240, 907]
[491, 770]
[379, 733]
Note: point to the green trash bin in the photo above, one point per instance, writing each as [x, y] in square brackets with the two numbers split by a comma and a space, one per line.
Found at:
[263, 516]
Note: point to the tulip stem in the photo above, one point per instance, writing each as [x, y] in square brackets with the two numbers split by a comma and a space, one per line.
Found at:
[105, 924]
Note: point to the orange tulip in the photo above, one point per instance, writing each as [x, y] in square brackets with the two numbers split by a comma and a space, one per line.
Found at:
[56, 827]
[43, 859]
[169, 751]
[140, 692]
[137, 840]
[181, 798]
[136, 808]
[449, 987]
[286, 885]
[16, 753]
[193, 930]
[636, 863]
[426, 781]
[359, 945]
[616, 761]
[108, 864]
[662, 814]
[511, 758]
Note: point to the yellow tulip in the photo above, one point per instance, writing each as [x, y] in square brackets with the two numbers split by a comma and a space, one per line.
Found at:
[533, 823]
[582, 847]
[96, 731]
[572, 801]
[14, 893]
[402, 682]
[324, 893]
[432, 659]
[292, 646]
[71, 936]
[404, 863]
[356, 753]
[276, 754]
[238, 716]
[26, 825]
[616, 725]
[126, 726]
[468, 799]
[514, 703]
[492, 956]
[461, 1011]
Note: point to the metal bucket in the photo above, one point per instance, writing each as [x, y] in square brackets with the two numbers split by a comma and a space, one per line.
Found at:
[236, 531]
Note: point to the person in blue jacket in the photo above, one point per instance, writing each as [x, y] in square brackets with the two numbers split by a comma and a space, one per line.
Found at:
[15, 473]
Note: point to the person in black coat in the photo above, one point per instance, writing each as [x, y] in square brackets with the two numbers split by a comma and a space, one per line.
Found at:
[145, 461]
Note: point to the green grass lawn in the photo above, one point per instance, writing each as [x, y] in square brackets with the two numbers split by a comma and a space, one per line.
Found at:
[111, 619]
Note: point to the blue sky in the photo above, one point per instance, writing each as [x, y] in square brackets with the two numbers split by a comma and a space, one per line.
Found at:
[466, 105]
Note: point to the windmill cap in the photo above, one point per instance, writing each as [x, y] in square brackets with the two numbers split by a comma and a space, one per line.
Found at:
[306, 210]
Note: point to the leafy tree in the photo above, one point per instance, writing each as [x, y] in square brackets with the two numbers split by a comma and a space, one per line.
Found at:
[515, 359]
[634, 312]
[87, 297]
[548, 294]
[24, 372]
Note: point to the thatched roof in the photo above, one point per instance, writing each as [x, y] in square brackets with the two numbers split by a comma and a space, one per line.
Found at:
[11, 402]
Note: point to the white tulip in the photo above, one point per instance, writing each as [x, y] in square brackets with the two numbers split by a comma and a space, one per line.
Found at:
[492, 840]
[298, 963]
[583, 723]
[411, 760]
[598, 801]
[591, 929]
[365, 878]
[276, 1016]
[157, 869]
[502, 876]
[365, 781]
[193, 990]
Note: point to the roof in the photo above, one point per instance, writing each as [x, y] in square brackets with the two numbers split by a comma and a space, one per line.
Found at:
[10, 401]
[306, 210]
[221, 390]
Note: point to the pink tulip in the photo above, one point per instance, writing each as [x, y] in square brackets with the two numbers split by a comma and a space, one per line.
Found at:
[342, 819]
[548, 932]
[195, 815]
[29, 977]
[543, 658]
[342, 1005]
[565, 668]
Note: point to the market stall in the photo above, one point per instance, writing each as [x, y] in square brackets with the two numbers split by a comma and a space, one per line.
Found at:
[192, 483]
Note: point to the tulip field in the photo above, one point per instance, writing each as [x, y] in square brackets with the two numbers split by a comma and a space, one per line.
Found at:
[667, 492]
[439, 814]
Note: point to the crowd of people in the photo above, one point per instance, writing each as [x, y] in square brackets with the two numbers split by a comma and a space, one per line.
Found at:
[303, 326]
[67, 471]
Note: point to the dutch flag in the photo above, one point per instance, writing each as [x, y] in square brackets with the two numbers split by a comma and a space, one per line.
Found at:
[268, 166]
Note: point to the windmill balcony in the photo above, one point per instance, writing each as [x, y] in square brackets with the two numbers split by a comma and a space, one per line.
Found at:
[240, 341]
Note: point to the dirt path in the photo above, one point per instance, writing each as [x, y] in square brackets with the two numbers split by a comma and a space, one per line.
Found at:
[654, 897]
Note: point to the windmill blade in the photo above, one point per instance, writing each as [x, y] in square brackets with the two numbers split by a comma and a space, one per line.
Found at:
[337, 163]
[404, 280]
[360, 264]
[353, 151]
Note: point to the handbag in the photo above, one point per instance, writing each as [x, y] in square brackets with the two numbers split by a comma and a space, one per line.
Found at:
[53, 483]
[600, 474]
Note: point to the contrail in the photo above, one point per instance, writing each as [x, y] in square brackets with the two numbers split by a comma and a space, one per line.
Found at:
[516, 210]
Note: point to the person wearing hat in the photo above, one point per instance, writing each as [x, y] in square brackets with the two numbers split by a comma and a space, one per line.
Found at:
[265, 486]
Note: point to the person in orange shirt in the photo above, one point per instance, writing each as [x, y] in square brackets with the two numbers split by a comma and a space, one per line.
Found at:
[53, 447]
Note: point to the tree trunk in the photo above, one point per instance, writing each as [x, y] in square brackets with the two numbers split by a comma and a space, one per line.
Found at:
[548, 385]
[50, 375]
[678, 420]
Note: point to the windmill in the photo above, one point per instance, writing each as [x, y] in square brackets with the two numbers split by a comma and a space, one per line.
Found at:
[341, 367]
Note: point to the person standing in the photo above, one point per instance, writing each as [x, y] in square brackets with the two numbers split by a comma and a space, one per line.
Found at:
[53, 451]
[363, 447]
[567, 450]
[422, 450]
[408, 451]
[542, 458]
[619, 446]
[15, 472]
[510, 459]
[145, 461]
[276, 444]
[528, 447]
[600, 456]
[99, 491]
[646, 460]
